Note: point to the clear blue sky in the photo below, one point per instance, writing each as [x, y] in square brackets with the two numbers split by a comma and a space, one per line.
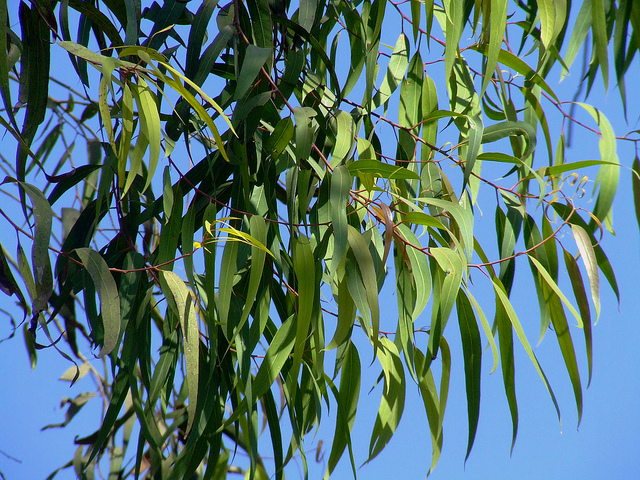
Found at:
[607, 444]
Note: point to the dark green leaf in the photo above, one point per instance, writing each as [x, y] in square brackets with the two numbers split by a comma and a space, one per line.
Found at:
[109, 297]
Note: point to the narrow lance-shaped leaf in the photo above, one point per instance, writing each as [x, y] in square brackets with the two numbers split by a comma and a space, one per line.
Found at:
[43, 275]
[345, 138]
[498, 26]
[475, 138]
[346, 313]
[487, 330]
[590, 262]
[149, 125]
[570, 216]
[419, 268]
[392, 402]
[382, 170]
[258, 231]
[583, 304]
[185, 307]
[600, 38]
[304, 267]
[304, 132]
[578, 35]
[561, 329]
[547, 15]
[109, 297]
[472, 353]
[398, 64]
[341, 181]
[511, 60]
[462, 217]
[609, 173]
[498, 131]
[369, 277]
[254, 60]
[348, 398]
[556, 289]
[452, 267]
[517, 327]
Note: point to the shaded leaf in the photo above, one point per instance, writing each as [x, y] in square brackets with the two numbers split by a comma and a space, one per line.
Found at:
[109, 297]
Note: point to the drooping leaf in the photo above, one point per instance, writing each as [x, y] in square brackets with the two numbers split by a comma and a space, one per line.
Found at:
[109, 297]
[590, 262]
[472, 350]
[348, 398]
[341, 181]
[393, 396]
[186, 310]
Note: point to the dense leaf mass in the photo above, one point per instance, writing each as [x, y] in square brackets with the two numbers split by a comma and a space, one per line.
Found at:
[258, 172]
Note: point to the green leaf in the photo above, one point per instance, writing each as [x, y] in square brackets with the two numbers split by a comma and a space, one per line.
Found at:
[506, 129]
[452, 27]
[348, 399]
[578, 34]
[393, 395]
[346, 314]
[516, 63]
[258, 231]
[279, 350]
[547, 14]
[583, 304]
[304, 267]
[419, 267]
[260, 11]
[498, 25]
[556, 289]
[501, 296]
[185, 307]
[254, 60]
[175, 83]
[583, 241]
[475, 137]
[452, 267]
[600, 38]
[569, 215]
[8, 283]
[109, 297]
[396, 70]
[369, 278]
[382, 170]
[307, 13]
[228, 270]
[609, 173]
[280, 137]
[462, 217]
[472, 354]
[341, 181]
[5, 88]
[119, 390]
[149, 125]
[487, 330]
[304, 131]
[345, 138]
[42, 218]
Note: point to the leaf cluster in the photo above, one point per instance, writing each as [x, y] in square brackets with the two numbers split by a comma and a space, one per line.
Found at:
[308, 168]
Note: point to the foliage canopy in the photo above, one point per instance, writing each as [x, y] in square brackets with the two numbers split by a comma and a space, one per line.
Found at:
[256, 172]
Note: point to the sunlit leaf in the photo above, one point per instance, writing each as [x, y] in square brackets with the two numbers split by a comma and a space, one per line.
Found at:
[186, 310]
[590, 262]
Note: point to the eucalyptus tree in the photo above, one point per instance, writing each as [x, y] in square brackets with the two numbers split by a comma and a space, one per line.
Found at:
[257, 172]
